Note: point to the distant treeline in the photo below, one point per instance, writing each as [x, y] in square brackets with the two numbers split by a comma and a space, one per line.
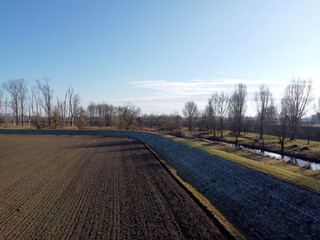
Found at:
[35, 105]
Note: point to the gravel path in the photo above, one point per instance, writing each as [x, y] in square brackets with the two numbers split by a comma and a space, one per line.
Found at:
[262, 206]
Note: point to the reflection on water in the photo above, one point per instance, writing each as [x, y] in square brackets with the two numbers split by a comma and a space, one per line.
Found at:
[301, 163]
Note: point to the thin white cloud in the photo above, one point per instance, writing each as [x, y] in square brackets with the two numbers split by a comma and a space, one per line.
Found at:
[202, 87]
[309, 74]
[170, 96]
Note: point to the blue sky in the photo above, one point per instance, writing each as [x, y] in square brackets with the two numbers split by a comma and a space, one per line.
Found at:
[159, 54]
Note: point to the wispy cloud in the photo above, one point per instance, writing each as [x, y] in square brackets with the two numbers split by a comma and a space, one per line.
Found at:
[310, 74]
[171, 95]
[199, 87]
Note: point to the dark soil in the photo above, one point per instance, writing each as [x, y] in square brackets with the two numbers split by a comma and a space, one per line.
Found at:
[262, 206]
[88, 187]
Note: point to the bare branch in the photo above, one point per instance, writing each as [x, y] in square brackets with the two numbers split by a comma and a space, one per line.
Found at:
[190, 112]
[47, 94]
[297, 97]
[237, 108]
[263, 99]
[128, 114]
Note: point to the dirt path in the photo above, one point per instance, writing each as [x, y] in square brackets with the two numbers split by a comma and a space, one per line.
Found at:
[88, 187]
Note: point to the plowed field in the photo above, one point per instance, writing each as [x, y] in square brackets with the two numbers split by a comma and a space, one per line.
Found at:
[80, 187]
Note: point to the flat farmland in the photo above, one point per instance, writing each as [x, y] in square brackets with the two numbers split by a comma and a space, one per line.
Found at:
[80, 187]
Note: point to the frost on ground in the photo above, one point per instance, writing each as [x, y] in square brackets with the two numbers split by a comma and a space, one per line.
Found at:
[262, 206]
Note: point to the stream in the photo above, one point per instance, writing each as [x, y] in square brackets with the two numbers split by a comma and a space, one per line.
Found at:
[301, 163]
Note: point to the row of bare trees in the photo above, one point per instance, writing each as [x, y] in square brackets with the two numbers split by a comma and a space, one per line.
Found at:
[219, 107]
[282, 119]
[17, 92]
[162, 122]
[27, 105]
[105, 115]
[36, 105]
[293, 106]
[128, 116]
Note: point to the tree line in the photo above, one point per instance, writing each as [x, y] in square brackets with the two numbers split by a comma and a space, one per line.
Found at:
[282, 119]
[36, 105]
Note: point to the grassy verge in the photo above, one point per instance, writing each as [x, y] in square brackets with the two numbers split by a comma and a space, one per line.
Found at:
[282, 174]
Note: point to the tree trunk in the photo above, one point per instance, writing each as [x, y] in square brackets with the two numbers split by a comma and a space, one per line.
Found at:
[22, 115]
[261, 130]
[5, 115]
[17, 119]
[282, 145]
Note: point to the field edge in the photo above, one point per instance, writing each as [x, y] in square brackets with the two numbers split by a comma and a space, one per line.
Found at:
[213, 213]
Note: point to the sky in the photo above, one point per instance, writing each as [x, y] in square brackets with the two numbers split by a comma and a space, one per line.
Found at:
[160, 54]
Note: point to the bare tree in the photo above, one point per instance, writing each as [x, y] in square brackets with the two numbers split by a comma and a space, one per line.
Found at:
[308, 127]
[60, 112]
[36, 104]
[73, 103]
[317, 108]
[222, 110]
[140, 122]
[237, 108]
[5, 110]
[213, 105]
[23, 93]
[128, 114]
[63, 109]
[109, 113]
[161, 121]
[1, 96]
[191, 113]
[263, 99]
[100, 111]
[31, 106]
[280, 123]
[206, 119]
[57, 118]
[105, 114]
[298, 97]
[177, 121]
[81, 120]
[47, 94]
[247, 122]
[91, 110]
[13, 88]
[2, 119]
